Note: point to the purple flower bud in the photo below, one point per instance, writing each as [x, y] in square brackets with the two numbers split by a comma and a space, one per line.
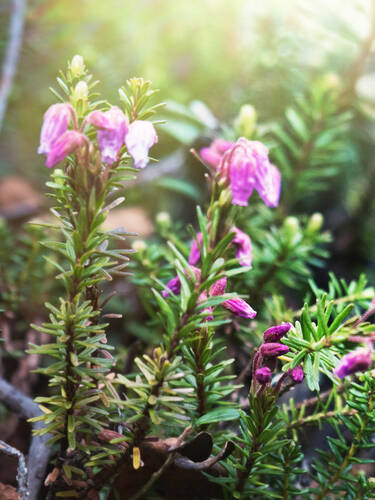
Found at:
[359, 360]
[140, 137]
[240, 308]
[214, 153]
[273, 350]
[275, 333]
[112, 127]
[243, 244]
[194, 249]
[218, 288]
[263, 375]
[55, 123]
[174, 286]
[63, 146]
[296, 374]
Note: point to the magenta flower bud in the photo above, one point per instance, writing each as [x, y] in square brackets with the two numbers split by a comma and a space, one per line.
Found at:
[214, 153]
[275, 333]
[174, 286]
[63, 146]
[263, 375]
[243, 244]
[195, 254]
[359, 360]
[218, 288]
[112, 126]
[296, 374]
[273, 350]
[55, 123]
[240, 308]
[140, 137]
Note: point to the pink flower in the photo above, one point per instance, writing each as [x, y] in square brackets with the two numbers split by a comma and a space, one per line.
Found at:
[243, 244]
[140, 137]
[214, 153]
[275, 333]
[55, 123]
[112, 127]
[244, 166]
[296, 374]
[63, 146]
[359, 360]
[263, 375]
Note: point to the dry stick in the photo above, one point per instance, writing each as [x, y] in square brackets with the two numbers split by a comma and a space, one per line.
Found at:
[12, 54]
[21, 470]
[39, 452]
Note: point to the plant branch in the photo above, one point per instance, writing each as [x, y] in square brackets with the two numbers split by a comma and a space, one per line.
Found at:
[12, 54]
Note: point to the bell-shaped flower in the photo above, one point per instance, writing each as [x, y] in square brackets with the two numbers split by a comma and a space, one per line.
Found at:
[64, 146]
[242, 180]
[112, 126]
[268, 184]
[359, 360]
[214, 153]
[141, 136]
[243, 244]
[275, 333]
[55, 123]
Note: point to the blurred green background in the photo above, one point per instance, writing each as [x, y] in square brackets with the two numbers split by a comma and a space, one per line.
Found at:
[223, 53]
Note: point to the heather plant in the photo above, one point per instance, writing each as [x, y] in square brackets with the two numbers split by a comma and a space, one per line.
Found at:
[241, 353]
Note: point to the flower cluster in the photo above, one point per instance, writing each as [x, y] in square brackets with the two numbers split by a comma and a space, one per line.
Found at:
[265, 359]
[244, 166]
[57, 140]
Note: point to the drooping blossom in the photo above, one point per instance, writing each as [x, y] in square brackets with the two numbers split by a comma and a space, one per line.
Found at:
[55, 123]
[237, 305]
[112, 126]
[358, 360]
[64, 146]
[296, 374]
[243, 244]
[214, 153]
[273, 350]
[245, 166]
[263, 375]
[141, 136]
[275, 333]
[195, 254]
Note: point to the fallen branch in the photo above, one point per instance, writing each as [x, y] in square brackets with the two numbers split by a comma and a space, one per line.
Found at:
[39, 452]
[21, 470]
